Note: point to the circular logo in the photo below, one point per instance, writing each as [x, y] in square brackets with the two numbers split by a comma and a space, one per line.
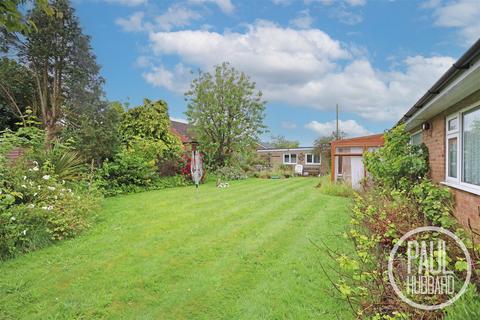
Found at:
[426, 271]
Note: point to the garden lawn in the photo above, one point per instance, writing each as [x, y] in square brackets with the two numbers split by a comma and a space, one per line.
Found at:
[243, 252]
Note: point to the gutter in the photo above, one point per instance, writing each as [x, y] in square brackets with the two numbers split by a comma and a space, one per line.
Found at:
[462, 64]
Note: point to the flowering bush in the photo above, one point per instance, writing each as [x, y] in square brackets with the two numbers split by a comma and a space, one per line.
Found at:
[36, 208]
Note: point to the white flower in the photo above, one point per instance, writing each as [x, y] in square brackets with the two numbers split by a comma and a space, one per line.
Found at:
[44, 207]
[24, 177]
[24, 232]
[39, 187]
[24, 186]
[63, 181]
[49, 208]
[1, 191]
[46, 177]
[35, 194]
[51, 188]
[35, 169]
[13, 219]
[69, 190]
[31, 206]
[62, 190]
[35, 162]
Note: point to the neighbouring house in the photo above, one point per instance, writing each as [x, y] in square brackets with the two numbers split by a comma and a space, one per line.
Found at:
[347, 158]
[312, 162]
[183, 131]
[447, 120]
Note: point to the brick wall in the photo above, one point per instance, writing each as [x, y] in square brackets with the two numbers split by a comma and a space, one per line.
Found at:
[434, 139]
[467, 205]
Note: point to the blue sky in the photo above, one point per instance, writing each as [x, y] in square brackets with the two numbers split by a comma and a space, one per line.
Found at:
[373, 58]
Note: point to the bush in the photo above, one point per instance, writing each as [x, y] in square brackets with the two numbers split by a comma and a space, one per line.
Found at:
[231, 173]
[128, 171]
[36, 208]
[400, 200]
[337, 189]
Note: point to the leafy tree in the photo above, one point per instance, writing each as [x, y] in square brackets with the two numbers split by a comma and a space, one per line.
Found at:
[226, 112]
[280, 142]
[60, 58]
[17, 91]
[96, 132]
[398, 164]
[12, 18]
[148, 127]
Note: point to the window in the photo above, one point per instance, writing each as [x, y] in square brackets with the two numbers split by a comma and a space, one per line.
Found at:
[312, 158]
[452, 156]
[289, 158]
[416, 138]
[471, 146]
[463, 148]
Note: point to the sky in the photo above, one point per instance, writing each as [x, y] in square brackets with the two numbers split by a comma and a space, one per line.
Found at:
[374, 58]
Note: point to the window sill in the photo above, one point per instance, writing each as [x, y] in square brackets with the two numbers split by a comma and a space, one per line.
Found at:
[463, 187]
[312, 164]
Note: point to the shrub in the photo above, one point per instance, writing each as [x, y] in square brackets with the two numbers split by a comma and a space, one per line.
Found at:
[338, 189]
[231, 173]
[36, 208]
[400, 200]
[398, 164]
[130, 170]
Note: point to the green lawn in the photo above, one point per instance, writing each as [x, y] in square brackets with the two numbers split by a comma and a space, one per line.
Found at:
[236, 253]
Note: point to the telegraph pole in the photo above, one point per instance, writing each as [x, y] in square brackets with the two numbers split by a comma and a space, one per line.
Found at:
[337, 132]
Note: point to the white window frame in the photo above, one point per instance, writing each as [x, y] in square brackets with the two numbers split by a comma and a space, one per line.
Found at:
[414, 134]
[457, 182]
[452, 135]
[313, 159]
[290, 158]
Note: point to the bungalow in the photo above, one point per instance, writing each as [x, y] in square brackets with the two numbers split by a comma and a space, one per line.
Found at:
[447, 120]
[306, 156]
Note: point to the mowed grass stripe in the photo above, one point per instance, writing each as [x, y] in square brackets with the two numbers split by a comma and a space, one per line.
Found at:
[230, 252]
[235, 253]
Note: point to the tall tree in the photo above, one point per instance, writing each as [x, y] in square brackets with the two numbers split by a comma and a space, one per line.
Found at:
[280, 142]
[17, 92]
[60, 57]
[149, 125]
[226, 112]
[12, 18]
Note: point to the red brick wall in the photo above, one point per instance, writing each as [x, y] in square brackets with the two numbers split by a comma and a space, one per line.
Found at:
[434, 139]
[467, 205]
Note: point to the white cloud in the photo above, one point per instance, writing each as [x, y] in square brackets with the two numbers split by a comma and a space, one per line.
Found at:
[282, 2]
[350, 127]
[463, 15]
[176, 16]
[182, 120]
[317, 72]
[133, 23]
[225, 5]
[352, 3]
[346, 16]
[355, 3]
[130, 3]
[288, 125]
[303, 20]
[176, 80]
